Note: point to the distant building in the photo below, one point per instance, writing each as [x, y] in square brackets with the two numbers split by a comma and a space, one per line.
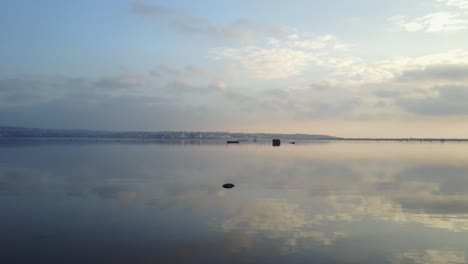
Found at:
[276, 142]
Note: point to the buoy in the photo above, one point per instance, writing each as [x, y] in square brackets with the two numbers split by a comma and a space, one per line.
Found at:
[228, 185]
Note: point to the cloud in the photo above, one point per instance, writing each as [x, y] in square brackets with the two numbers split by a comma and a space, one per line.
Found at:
[245, 29]
[102, 103]
[40, 89]
[146, 9]
[435, 204]
[193, 97]
[195, 70]
[350, 89]
[266, 63]
[292, 56]
[191, 24]
[352, 20]
[294, 41]
[312, 101]
[218, 85]
[189, 79]
[387, 93]
[124, 81]
[462, 4]
[22, 90]
[448, 100]
[440, 21]
[358, 71]
[164, 70]
[433, 22]
[285, 54]
[181, 86]
[241, 29]
[437, 72]
[281, 58]
[431, 256]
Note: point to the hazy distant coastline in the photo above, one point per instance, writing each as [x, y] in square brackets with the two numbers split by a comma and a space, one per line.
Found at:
[23, 132]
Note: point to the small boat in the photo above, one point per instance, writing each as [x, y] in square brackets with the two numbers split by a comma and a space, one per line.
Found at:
[293, 142]
[233, 142]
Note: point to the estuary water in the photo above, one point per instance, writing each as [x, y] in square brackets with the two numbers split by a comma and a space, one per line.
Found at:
[324, 202]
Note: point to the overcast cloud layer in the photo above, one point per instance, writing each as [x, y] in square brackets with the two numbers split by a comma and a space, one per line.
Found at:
[397, 68]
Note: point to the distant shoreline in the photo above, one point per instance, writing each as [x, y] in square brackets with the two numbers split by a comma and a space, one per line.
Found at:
[224, 140]
[9, 132]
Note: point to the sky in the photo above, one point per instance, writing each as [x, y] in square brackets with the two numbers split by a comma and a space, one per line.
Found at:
[363, 68]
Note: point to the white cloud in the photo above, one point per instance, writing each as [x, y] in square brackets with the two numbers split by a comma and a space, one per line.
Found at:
[433, 22]
[463, 4]
[266, 63]
[294, 41]
[281, 58]
[358, 71]
[291, 56]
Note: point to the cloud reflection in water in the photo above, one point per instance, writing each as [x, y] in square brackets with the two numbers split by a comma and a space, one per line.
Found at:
[337, 202]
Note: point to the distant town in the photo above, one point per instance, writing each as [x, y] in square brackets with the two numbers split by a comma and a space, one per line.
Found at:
[7, 132]
[22, 132]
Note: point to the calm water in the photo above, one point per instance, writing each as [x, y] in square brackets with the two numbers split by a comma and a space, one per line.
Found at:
[114, 202]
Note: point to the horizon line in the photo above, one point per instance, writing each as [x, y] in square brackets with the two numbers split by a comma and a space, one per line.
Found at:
[332, 137]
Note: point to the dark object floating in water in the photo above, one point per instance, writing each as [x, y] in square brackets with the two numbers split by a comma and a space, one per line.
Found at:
[276, 142]
[233, 141]
[228, 185]
[293, 142]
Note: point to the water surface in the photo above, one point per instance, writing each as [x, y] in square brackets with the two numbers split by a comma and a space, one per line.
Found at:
[327, 202]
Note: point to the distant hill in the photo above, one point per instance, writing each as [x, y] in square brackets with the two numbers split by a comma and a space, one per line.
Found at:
[19, 132]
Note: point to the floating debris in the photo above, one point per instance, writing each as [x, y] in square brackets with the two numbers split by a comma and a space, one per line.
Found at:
[228, 186]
